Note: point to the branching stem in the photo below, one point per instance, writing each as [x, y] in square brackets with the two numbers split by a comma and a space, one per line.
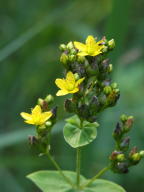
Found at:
[60, 170]
[99, 174]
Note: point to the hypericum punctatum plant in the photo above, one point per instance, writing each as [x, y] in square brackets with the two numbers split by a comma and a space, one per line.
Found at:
[87, 80]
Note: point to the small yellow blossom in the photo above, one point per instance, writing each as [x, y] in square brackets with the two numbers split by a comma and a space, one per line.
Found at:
[68, 85]
[91, 47]
[37, 117]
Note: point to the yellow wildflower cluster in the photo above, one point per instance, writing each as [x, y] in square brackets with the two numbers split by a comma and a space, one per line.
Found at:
[69, 85]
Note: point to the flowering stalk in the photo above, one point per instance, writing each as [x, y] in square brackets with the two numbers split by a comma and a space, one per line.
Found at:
[87, 81]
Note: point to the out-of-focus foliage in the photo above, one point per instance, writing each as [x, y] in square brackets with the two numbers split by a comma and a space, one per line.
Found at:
[30, 33]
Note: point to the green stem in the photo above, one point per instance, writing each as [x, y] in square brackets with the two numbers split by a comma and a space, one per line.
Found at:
[100, 173]
[59, 169]
[78, 165]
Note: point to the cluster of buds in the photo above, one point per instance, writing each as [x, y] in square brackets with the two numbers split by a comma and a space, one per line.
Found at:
[90, 61]
[122, 158]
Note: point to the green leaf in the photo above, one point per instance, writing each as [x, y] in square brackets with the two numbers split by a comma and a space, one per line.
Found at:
[77, 135]
[101, 185]
[52, 181]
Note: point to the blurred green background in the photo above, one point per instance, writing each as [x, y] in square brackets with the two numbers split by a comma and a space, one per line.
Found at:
[30, 34]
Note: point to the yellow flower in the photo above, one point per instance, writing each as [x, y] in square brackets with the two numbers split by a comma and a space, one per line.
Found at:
[68, 85]
[91, 47]
[37, 117]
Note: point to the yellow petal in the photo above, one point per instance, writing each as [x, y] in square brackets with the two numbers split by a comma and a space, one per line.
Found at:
[90, 40]
[79, 81]
[74, 90]
[61, 83]
[36, 110]
[97, 52]
[62, 92]
[80, 46]
[82, 53]
[30, 122]
[26, 116]
[46, 115]
[70, 78]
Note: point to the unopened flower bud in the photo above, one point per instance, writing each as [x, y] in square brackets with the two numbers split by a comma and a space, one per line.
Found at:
[141, 153]
[122, 167]
[136, 157]
[70, 45]
[62, 47]
[133, 151]
[114, 85]
[128, 124]
[48, 124]
[121, 157]
[40, 101]
[73, 51]
[43, 104]
[111, 44]
[125, 143]
[76, 75]
[64, 59]
[105, 63]
[81, 59]
[72, 58]
[107, 90]
[114, 155]
[117, 132]
[110, 68]
[123, 118]
[49, 99]
[105, 49]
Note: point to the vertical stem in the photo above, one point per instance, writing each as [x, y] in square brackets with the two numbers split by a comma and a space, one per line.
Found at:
[78, 165]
